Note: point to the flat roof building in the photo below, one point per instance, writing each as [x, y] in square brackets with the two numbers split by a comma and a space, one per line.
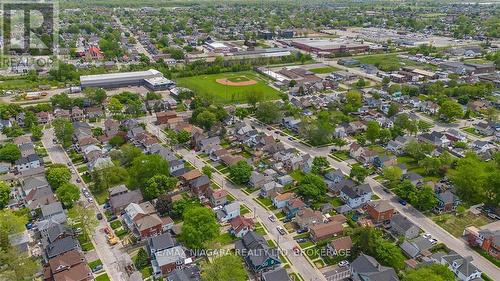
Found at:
[116, 80]
[321, 46]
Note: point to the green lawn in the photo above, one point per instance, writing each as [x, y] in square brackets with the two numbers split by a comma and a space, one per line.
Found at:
[323, 70]
[85, 242]
[341, 154]
[391, 62]
[472, 131]
[336, 202]
[208, 86]
[455, 225]
[146, 272]
[94, 264]
[102, 277]
[115, 224]
[244, 210]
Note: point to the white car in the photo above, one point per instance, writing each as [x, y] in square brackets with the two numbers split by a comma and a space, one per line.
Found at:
[90, 199]
[281, 230]
[427, 236]
[433, 241]
[343, 263]
[272, 218]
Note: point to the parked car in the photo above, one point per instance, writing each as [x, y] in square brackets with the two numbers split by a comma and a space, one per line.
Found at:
[427, 235]
[402, 202]
[272, 218]
[301, 240]
[299, 231]
[296, 250]
[99, 216]
[281, 230]
[433, 241]
[343, 263]
[106, 205]
[97, 268]
[90, 199]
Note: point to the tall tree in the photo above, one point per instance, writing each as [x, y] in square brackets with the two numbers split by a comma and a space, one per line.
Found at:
[268, 112]
[84, 218]
[359, 173]
[240, 172]
[319, 165]
[4, 194]
[9, 152]
[199, 227]
[68, 193]
[450, 110]
[57, 175]
[372, 131]
[64, 131]
[145, 167]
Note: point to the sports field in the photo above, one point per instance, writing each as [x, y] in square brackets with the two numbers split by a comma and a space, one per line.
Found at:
[230, 87]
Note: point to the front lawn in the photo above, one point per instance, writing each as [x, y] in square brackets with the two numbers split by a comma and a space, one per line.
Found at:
[115, 224]
[341, 154]
[472, 131]
[455, 225]
[94, 264]
[85, 242]
[336, 202]
[265, 202]
[102, 277]
[244, 210]
[146, 272]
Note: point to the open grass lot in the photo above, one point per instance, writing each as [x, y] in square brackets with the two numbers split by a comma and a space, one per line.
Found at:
[208, 86]
[478, 61]
[323, 70]
[102, 277]
[390, 62]
[455, 225]
[471, 131]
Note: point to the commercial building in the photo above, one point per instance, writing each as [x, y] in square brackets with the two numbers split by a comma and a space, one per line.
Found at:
[327, 47]
[116, 80]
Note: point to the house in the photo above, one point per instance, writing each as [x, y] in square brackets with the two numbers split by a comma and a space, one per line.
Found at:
[356, 196]
[20, 241]
[94, 112]
[382, 161]
[257, 253]
[270, 189]
[60, 247]
[339, 246]
[160, 243]
[278, 274]
[293, 206]
[397, 145]
[27, 149]
[435, 138]
[462, 267]
[455, 135]
[143, 221]
[77, 114]
[484, 129]
[216, 155]
[325, 230]
[53, 211]
[335, 176]
[284, 180]
[306, 218]
[402, 226]
[241, 226]
[414, 178]
[39, 197]
[68, 266]
[281, 199]
[163, 117]
[365, 268]
[43, 117]
[228, 212]
[111, 127]
[257, 179]
[206, 145]
[336, 187]
[32, 161]
[199, 185]
[120, 197]
[34, 182]
[189, 273]
[447, 202]
[488, 238]
[416, 247]
[166, 260]
[380, 210]
[217, 197]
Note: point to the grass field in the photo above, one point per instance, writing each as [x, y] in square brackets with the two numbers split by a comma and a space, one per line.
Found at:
[207, 85]
[455, 225]
[323, 70]
[391, 62]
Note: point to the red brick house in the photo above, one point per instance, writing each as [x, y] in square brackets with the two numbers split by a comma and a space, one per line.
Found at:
[380, 210]
[241, 226]
[143, 221]
[68, 266]
[486, 239]
[164, 116]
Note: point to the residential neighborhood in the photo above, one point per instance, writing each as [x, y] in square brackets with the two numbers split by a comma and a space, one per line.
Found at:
[216, 140]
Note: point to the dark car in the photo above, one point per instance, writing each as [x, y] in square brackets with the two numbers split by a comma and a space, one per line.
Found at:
[97, 268]
[402, 202]
[301, 231]
[106, 205]
[99, 216]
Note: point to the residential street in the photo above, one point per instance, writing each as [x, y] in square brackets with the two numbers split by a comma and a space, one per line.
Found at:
[109, 255]
[285, 242]
[425, 223]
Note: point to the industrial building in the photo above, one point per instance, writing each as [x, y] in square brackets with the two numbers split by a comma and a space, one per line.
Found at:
[327, 47]
[159, 83]
[116, 80]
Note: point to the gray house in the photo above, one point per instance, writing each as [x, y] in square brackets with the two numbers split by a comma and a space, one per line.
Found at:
[366, 268]
[400, 225]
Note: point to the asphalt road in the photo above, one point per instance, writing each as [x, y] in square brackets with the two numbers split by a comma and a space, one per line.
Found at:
[109, 255]
[419, 219]
[298, 263]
